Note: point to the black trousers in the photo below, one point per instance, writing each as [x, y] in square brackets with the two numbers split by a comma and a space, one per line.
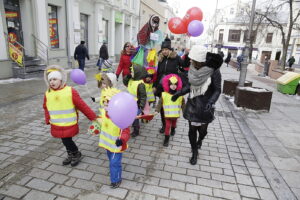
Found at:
[69, 144]
[202, 130]
[162, 117]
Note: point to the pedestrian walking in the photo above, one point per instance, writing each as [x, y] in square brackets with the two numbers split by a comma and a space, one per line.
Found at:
[228, 58]
[80, 54]
[103, 55]
[239, 59]
[171, 84]
[135, 85]
[112, 139]
[168, 63]
[204, 90]
[125, 61]
[61, 105]
[291, 61]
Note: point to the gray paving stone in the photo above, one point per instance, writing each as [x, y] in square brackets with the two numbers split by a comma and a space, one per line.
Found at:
[146, 179]
[243, 179]
[248, 191]
[14, 191]
[38, 173]
[59, 169]
[132, 185]
[223, 178]
[260, 181]
[40, 184]
[87, 185]
[172, 184]
[155, 190]
[34, 194]
[209, 183]
[160, 174]
[176, 194]
[118, 193]
[81, 174]
[200, 174]
[266, 194]
[230, 187]
[184, 178]
[135, 169]
[199, 189]
[226, 194]
[58, 178]
[91, 196]
[177, 170]
[139, 196]
[255, 171]
[65, 191]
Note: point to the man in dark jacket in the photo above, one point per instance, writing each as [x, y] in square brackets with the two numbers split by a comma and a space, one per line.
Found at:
[168, 63]
[135, 85]
[103, 54]
[80, 54]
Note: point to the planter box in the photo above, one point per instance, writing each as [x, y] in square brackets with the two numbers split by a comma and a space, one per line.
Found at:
[230, 85]
[253, 98]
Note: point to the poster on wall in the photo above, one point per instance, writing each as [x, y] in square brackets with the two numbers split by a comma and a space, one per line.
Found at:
[53, 33]
[15, 54]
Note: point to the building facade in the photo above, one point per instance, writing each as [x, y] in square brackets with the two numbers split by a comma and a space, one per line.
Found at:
[51, 29]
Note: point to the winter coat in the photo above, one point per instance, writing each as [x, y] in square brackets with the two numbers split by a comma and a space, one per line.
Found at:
[69, 131]
[228, 58]
[124, 65]
[81, 52]
[169, 65]
[103, 53]
[195, 108]
[139, 74]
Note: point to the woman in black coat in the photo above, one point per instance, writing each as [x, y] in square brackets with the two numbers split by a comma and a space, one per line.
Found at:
[204, 89]
[168, 63]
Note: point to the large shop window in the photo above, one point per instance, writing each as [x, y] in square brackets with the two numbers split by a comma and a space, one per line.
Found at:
[234, 35]
[53, 26]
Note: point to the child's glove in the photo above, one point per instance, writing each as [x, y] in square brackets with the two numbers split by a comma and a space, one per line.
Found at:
[95, 127]
[93, 99]
[119, 142]
[175, 97]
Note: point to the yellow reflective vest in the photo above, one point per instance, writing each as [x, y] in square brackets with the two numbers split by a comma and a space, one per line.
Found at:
[61, 108]
[171, 108]
[109, 134]
[149, 90]
[133, 86]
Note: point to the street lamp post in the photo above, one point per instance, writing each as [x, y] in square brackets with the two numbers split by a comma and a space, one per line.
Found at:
[245, 63]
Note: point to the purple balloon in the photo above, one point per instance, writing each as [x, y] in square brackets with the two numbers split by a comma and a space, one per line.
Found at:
[195, 28]
[122, 109]
[78, 76]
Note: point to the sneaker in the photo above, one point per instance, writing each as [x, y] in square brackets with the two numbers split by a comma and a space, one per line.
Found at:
[115, 185]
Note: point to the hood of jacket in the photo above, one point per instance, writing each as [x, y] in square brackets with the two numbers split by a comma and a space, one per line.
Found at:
[166, 84]
[172, 55]
[57, 68]
[139, 72]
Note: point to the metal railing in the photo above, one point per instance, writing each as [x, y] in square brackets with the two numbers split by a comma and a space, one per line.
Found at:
[41, 50]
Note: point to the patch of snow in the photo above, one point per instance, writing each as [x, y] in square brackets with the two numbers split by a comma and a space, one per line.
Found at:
[15, 80]
[254, 89]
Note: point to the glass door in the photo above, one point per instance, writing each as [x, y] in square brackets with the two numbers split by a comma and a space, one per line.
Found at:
[84, 29]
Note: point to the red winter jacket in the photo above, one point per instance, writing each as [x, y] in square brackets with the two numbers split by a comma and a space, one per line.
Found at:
[124, 65]
[69, 131]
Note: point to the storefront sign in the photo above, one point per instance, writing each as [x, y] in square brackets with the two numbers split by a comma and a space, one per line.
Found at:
[118, 17]
[15, 54]
[11, 14]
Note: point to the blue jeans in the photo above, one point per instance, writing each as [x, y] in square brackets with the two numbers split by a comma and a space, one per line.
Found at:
[115, 166]
[81, 63]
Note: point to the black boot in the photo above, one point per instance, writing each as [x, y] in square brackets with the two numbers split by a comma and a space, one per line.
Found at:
[136, 131]
[166, 141]
[76, 158]
[194, 157]
[68, 160]
[199, 144]
[173, 131]
[162, 129]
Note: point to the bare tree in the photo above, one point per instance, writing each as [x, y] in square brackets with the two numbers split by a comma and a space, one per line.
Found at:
[275, 22]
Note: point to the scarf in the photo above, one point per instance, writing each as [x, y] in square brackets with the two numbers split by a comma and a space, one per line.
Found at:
[199, 80]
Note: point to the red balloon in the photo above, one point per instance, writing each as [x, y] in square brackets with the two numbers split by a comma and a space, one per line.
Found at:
[177, 26]
[193, 13]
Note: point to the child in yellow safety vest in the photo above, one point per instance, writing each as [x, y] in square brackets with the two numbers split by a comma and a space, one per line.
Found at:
[61, 105]
[171, 83]
[149, 80]
[112, 138]
[136, 86]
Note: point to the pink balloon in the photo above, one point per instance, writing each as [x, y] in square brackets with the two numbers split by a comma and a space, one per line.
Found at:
[195, 28]
[122, 109]
[193, 13]
[78, 76]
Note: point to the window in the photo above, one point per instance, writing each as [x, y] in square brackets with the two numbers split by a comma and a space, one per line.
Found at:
[269, 38]
[231, 11]
[53, 26]
[234, 35]
[253, 36]
[221, 32]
